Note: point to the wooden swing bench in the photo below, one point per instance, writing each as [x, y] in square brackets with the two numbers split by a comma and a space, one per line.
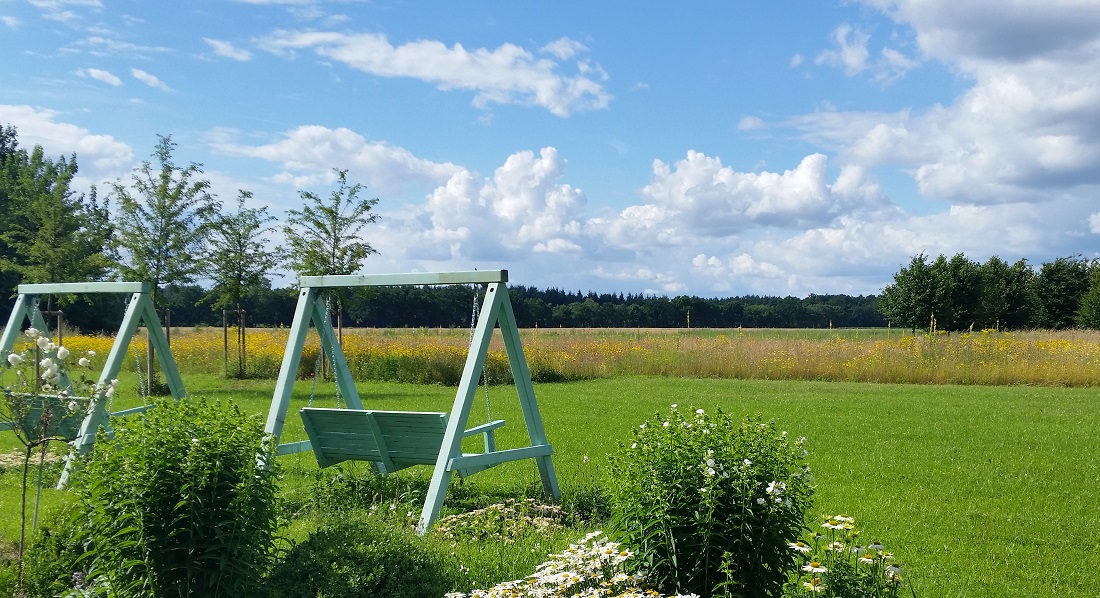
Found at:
[399, 439]
[394, 440]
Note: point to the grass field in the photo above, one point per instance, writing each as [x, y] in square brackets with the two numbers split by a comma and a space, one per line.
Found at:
[980, 490]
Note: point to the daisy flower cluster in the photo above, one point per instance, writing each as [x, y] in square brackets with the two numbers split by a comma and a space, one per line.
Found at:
[837, 564]
[594, 567]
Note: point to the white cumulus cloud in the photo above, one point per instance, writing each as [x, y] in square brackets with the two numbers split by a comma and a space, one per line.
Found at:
[100, 156]
[508, 74]
[523, 208]
[310, 152]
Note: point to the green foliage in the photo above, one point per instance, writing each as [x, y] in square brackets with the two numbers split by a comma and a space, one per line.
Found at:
[1059, 289]
[502, 523]
[9, 574]
[48, 233]
[361, 556]
[1007, 300]
[964, 295]
[177, 504]
[910, 301]
[53, 560]
[594, 566]
[238, 255]
[1088, 315]
[161, 220]
[323, 237]
[710, 504]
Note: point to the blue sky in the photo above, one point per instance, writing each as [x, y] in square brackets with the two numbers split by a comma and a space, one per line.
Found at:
[715, 148]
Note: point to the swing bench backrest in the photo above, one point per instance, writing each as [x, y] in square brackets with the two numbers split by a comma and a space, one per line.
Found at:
[394, 439]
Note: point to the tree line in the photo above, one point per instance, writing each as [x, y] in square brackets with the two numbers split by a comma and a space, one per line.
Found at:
[957, 293]
[452, 306]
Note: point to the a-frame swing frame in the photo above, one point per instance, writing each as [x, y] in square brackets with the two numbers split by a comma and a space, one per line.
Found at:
[139, 310]
[496, 311]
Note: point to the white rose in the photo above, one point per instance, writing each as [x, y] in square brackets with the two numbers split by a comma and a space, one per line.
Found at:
[84, 362]
[62, 353]
[15, 359]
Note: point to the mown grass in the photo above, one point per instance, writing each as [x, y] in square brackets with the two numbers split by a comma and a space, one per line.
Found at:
[979, 491]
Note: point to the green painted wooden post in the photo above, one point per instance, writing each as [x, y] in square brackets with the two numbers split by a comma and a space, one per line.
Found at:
[532, 417]
[288, 371]
[341, 373]
[460, 411]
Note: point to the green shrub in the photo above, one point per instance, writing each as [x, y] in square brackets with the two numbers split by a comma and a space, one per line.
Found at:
[53, 559]
[9, 577]
[361, 556]
[710, 504]
[177, 504]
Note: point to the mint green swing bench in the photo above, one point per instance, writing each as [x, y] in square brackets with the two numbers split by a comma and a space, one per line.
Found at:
[395, 440]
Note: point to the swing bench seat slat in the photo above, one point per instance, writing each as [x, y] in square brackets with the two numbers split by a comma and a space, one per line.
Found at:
[395, 439]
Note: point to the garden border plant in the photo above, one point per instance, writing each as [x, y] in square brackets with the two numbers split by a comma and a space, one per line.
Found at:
[178, 503]
[711, 504]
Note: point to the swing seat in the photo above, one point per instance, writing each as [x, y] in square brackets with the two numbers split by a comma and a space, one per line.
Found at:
[399, 439]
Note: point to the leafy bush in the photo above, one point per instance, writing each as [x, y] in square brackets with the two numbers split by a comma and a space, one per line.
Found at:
[361, 557]
[711, 504]
[53, 559]
[177, 504]
[9, 574]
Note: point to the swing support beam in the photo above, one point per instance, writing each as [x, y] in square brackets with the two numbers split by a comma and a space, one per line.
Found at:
[139, 310]
[496, 312]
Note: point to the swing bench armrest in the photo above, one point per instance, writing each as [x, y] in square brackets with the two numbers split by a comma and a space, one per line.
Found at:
[486, 430]
[483, 428]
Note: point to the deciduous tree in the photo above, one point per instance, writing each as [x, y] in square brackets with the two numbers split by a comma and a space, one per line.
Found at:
[238, 256]
[323, 237]
[161, 220]
[1059, 288]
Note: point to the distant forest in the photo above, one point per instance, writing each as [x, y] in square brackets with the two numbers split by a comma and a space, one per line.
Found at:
[451, 307]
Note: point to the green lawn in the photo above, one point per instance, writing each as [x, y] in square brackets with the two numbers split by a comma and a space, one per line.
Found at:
[979, 491]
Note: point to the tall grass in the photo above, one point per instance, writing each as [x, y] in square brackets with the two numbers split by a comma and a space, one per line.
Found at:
[1069, 358]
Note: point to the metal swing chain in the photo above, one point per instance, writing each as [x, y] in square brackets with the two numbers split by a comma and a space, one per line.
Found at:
[331, 353]
[320, 362]
[141, 383]
[316, 371]
[485, 365]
